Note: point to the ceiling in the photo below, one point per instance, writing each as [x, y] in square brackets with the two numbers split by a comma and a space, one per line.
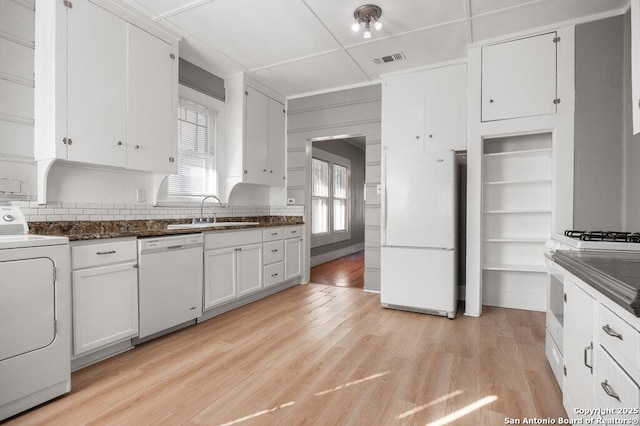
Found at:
[306, 46]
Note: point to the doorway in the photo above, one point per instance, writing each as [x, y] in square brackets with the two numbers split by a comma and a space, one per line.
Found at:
[337, 211]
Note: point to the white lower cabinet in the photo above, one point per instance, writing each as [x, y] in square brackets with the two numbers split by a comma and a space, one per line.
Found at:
[601, 358]
[293, 258]
[232, 266]
[105, 294]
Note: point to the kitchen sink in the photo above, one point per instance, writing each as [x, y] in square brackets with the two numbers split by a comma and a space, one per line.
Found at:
[209, 225]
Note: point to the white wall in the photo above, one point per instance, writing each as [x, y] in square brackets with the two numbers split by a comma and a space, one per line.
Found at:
[354, 112]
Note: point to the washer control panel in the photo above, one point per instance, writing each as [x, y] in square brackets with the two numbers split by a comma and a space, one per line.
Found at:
[12, 221]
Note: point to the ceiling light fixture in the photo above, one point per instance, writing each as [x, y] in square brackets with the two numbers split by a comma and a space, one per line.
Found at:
[367, 14]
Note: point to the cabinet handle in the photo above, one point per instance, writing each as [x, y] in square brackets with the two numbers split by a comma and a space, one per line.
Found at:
[274, 275]
[106, 252]
[490, 101]
[274, 250]
[237, 249]
[119, 143]
[417, 137]
[588, 348]
[430, 136]
[135, 266]
[609, 390]
[175, 247]
[274, 234]
[270, 171]
[293, 232]
[171, 159]
[611, 332]
[264, 170]
[137, 147]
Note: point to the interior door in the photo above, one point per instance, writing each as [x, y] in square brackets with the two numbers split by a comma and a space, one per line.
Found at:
[97, 85]
[27, 306]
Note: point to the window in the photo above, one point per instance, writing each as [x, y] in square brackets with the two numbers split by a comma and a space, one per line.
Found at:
[197, 130]
[330, 198]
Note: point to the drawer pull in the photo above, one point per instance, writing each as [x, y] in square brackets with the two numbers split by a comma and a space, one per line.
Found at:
[178, 247]
[274, 234]
[274, 275]
[588, 348]
[611, 332]
[274, 250]
[293, 232]
[609, 390]
[106, 252]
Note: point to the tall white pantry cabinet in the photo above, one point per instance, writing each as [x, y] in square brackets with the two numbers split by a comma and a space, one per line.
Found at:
[106, 89]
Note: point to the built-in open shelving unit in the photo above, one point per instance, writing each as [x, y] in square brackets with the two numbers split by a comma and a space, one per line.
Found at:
[517, 210]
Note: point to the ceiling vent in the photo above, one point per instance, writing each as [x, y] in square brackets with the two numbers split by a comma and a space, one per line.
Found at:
[389, 58]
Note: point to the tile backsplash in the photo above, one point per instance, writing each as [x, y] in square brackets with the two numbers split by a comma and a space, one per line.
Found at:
[70, 211]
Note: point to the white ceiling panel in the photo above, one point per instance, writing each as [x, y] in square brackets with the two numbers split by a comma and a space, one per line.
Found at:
[312, 74]
[485, 6]
[397, 16]
[257, 33]
[538, 15]
[420, 48]
[161, 7]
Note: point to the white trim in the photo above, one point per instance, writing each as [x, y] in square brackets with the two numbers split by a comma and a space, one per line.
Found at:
[335, 89]
[460, 61]
[335, 254]
[371, 291]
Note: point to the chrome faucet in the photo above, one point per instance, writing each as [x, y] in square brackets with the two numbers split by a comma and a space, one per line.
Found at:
[196, 220]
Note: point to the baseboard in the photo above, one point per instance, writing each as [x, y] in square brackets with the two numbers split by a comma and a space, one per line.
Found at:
[336, 254]
[372, 291]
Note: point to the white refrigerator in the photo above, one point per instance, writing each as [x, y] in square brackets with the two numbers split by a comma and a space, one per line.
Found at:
[419, 223]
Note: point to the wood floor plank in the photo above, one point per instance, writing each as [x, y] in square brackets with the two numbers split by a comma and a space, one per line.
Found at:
[319, 354]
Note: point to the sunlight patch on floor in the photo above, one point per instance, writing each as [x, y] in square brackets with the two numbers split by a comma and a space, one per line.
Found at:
[428, 404]
[464, 411]
[259, 413]
[355, 382]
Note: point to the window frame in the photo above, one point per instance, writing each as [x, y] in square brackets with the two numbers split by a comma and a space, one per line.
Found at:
[332, 236]
[204, 101]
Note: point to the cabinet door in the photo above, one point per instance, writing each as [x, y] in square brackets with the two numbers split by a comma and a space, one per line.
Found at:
[519, 78]
[249, 268]
[446, 109]
[96, 85]
[151, 109]
[292, 258]
[219, 277]
[276, 144]
[403, 114]
[579, 341]
[105, 306]
[635, 64]
[256, 136]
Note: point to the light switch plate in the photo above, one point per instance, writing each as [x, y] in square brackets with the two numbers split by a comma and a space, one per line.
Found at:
[291, 200]
[141, 194]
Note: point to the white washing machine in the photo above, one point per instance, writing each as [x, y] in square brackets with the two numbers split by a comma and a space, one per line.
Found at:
[35, 315]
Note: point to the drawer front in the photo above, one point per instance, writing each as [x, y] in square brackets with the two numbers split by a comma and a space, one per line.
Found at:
[272, 234]
[218, 239]
[555, 357]
[273, 274]
[293, 231]
[619, 338]
[90, 255]
[273, 252]
[615, 389]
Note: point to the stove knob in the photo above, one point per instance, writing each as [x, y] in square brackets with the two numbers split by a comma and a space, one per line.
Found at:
[8, 218]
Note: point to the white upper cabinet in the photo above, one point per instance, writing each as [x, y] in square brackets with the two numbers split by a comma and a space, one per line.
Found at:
[96, 86]
[264, 139]
[425, 111]
[106, 88]
[151, 103]
[635, 64]
[519, 78]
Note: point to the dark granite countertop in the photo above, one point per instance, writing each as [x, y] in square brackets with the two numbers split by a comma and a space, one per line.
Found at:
[94, 230]
[614, 274]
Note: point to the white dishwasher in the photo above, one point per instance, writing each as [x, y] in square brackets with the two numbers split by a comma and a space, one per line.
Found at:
[169, 281]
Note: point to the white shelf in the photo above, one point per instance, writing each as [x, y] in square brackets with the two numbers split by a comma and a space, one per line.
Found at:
[518, 182]
[532, 211]
[516, 268]
[515, 240]
[523, 153]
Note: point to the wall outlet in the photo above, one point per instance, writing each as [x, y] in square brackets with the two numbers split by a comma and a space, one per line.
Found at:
[378, 189]
[141, 194]
[291, 200]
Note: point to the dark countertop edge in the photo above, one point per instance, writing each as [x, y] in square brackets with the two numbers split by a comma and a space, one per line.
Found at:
[618, 291]
[118, 228]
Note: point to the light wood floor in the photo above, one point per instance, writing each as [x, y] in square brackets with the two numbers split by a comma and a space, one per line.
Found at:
[318, 354]
[347, 271]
